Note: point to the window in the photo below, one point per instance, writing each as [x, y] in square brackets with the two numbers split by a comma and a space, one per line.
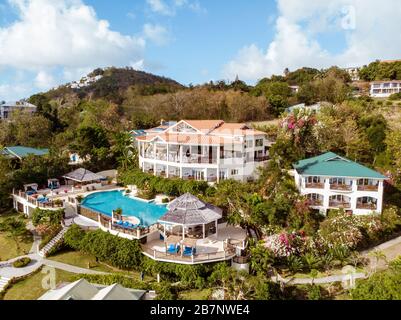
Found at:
[337, 181]
[313, 180]
[249, 143]
[259, 143]
[234, 172]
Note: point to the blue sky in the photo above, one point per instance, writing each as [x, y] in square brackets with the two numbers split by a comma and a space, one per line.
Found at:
[44, 43]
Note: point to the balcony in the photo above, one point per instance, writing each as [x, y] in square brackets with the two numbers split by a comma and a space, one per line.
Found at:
[366, 206]
[316, 185]
[368, 188]
[315, 202]
[341, 187]
[340, 205]
[261, 159]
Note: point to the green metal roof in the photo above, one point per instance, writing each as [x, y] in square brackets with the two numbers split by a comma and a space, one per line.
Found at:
[333, 165]
[22, 152]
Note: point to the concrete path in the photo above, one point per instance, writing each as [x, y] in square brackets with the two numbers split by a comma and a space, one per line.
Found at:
[322, 280]
[8, 271]
[69, 268]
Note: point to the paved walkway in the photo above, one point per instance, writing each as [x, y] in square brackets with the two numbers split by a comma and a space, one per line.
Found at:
[69, 268]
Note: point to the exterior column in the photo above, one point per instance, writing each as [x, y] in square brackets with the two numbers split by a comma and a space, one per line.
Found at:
[204, 235]
[183, 232]
[380, 197]
[181, 173]
[164, 231]
[326, 193]
[217, 227]
[205, 171]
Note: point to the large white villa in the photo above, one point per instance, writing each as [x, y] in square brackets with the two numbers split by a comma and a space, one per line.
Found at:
[203, 150]
[384, 89]
[333, 182]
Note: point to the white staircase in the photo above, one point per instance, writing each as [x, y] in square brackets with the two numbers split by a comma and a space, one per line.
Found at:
[53, 242]
[3, 283]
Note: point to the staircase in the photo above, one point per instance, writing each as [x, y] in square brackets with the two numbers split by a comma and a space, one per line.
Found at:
[3, 283]
[53, 242]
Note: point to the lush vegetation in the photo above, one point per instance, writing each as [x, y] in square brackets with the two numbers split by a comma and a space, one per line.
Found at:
[381, 71]
[383, 285]
[15, 239]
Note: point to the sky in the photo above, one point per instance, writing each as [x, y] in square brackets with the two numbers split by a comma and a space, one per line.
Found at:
[45, 43]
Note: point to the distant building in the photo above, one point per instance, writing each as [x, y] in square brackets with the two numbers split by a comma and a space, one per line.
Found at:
[83, 290]
[314, 107]
[294, 89]
[384, 89]
[7, 108]
[353, 73]
[20, 152]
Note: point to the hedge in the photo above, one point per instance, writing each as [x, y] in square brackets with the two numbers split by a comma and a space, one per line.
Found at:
[171, 187]
[119, 252]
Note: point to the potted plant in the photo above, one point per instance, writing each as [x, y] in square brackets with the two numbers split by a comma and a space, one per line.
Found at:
[79, 198]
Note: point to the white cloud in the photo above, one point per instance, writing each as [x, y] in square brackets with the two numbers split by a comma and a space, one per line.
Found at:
[64, 33]
[169, 8]
[159, 6]
[156, 33]
[44, 80]
[369, 30]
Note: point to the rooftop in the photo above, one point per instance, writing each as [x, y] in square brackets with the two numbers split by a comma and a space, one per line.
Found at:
[83, 175]
[22, 152]
[333, 165]
[83, 290]
[189, 210]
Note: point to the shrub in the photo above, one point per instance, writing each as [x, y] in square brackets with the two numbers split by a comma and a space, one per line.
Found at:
[119, 252]
[49, 217]
[22, 262]
[165, 200]
[111, 279]
[340, 230]
[395, 96]
[171, 187]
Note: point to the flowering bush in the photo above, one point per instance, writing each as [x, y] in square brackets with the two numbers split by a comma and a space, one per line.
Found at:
[340, 230]
[286, 244]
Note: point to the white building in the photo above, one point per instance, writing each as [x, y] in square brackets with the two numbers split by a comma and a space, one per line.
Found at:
[7, 108]
[333, 182]
[208, 150]
[353, 73]
[384, 89]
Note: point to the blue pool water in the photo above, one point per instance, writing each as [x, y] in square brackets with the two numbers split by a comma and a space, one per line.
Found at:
[106, 202]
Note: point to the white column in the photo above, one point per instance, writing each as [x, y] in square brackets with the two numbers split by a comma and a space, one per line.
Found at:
[217, 228]
[203, 226]
[183, 232]
[205, 171]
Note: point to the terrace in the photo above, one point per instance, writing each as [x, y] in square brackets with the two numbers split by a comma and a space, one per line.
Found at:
[191, 234]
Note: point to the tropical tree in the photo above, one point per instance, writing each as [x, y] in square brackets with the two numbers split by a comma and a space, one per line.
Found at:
[15, 229]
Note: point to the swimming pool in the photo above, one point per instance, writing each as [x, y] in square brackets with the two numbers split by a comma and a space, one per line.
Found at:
[106, 202]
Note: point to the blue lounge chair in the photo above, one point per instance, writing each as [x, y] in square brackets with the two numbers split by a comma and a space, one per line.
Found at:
[120, 223]
[126, 224]
[173, 249]
[188, 251]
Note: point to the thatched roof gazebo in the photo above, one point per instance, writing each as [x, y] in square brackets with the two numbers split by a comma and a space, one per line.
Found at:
[191, 214]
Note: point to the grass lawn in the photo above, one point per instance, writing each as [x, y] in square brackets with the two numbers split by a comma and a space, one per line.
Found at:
[8, 247]
[195, 294]
[31, 288]
[87, 261]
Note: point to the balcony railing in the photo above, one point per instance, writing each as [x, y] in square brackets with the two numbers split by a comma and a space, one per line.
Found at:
[367, 206]
[315, 202]
[315, 185]
[367, 188]
[340, 205]
[342, 187]
[261, 159]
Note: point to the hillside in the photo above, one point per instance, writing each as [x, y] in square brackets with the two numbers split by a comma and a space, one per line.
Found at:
[112, 83]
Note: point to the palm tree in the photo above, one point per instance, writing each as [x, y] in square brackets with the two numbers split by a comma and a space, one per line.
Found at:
[14, 229]
[378, 255]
